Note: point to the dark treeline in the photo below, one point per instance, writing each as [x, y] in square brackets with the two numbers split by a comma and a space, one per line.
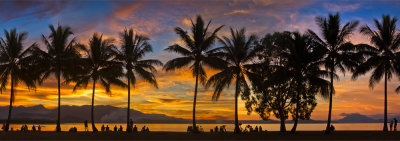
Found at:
[279, 75]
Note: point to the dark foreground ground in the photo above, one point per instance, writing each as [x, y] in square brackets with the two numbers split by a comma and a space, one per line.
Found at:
[304, 135]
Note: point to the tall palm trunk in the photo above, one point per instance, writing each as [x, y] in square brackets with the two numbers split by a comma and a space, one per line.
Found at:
[11, 101]
[385, 128]
[328, 125]
[92, 110]
[237, 129]
[58, 128]
[296, 119]
[194, 103]
[128, 126]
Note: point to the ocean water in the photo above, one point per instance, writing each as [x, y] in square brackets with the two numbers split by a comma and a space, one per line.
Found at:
[207, 127]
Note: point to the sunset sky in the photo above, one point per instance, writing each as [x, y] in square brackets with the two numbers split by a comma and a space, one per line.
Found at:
[157, 19]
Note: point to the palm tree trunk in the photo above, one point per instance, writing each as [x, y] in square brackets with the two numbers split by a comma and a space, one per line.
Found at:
[92, 110]
[194, 104]
[11, 101]
[385, 128]
[128, 126]
[328, 125]
[58, 128]
[296, 119]
[237, 129]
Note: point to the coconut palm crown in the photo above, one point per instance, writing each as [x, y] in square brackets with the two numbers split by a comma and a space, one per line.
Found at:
[196, 53]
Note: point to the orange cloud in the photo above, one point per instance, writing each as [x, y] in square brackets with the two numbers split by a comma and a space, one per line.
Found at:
[124, 11]
[186, 22]
[238, 12]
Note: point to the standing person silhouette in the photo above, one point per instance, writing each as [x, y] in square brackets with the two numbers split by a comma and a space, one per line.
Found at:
[391, 125]
[103, 128]
[131, 122]
[33, 128]
[86, 125]
[130, 126]
[395, 124]
[120, 128]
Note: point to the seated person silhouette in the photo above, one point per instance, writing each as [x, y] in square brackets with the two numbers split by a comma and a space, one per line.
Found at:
[332, 128]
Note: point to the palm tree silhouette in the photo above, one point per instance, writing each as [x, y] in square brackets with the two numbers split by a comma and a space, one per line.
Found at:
[98, 66]
[133, 50]
[196, 53]
[17, 65]
[383, 55]
[238, 51]
[301, 63]
[59, 59]
[339, 51]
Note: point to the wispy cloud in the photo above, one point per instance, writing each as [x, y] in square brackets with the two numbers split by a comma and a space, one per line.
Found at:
[333, 7]
[237, 12]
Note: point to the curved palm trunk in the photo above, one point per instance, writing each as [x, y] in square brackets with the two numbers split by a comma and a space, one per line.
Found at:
[237, 129]
[328, 125]
[11, 102]
[92, 110]
[385, 128]
[58, 128]
[128, 126]
[194, 104]
[296, 119]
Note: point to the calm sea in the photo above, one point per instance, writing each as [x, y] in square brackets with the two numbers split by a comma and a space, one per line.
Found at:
[207, 127]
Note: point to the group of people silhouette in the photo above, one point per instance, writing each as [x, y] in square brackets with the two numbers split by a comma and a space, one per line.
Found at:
[25, 128]
[222, 129]
[249, 128]
[190, 129]
[130, 127]
[73, 129]
[393, 123]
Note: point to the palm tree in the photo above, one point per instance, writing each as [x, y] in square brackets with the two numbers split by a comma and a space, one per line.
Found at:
[98, 66]
[340, 52]
[238, 51]
[59, 58]
[383, 56]
[133, 50]
[16, 64]
[302, 61]
[196, 53]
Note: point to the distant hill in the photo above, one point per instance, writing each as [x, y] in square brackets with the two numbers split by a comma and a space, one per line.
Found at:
[71, 114]
[358, 118]
[111, 114]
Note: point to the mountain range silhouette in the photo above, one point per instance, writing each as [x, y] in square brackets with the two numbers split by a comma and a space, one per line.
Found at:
[111, 114]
